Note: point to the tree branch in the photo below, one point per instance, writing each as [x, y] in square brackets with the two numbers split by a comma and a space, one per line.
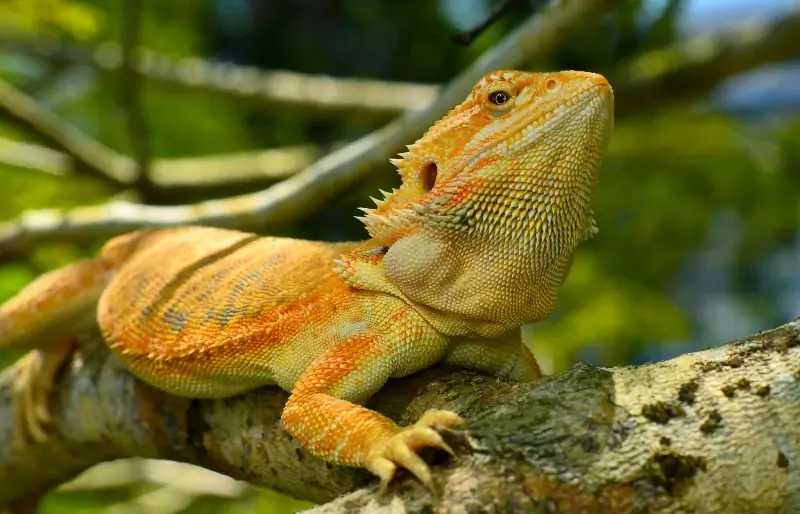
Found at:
[714, 431]
[700, 64]
[308, 94]
[130, 85]
[89, 155]
[645, 83]
[198, 172]
[301, 193]
[683, 70]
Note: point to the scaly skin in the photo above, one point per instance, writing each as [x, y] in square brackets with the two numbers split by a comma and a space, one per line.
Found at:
[474, 244]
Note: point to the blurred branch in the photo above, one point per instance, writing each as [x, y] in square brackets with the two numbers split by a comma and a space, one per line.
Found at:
[683, 435]
[679, 71]
[647, 82]
[300, 194]
[284, 89]
[84, 154]
[465, 38]
[202, 171]
[130, 84]
[687, 69]
[90, 156]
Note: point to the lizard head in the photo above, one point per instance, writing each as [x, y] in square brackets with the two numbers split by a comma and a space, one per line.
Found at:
[495, 197]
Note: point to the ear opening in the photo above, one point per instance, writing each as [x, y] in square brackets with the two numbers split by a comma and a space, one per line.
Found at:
[429, 174]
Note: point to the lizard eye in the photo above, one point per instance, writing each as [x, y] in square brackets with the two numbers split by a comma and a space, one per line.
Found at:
[499, 97]
[429, 173]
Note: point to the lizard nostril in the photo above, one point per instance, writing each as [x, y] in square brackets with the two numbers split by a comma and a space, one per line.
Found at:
[429, 173]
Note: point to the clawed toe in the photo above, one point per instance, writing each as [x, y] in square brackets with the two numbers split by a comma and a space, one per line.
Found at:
[27, 414]
[400, 449]
[36, 372]
[440, 418]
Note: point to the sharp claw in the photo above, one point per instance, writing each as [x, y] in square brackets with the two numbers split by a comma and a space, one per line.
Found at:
[441, 418]
[43, 415]
[402, 454]
[385, 469]
[400, 449]
[419, 468]
[36, 431]
[446, 447]
[41, 409]
[32, 391]
[428, 437]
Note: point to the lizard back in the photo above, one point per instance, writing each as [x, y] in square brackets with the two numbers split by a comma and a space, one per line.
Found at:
[197, 294]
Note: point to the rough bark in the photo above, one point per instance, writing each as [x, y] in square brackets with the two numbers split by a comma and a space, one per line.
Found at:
[713, 431]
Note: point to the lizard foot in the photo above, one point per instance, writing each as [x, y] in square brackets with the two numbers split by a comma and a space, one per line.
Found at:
[400, 449]
[363, 272]
[37, 372]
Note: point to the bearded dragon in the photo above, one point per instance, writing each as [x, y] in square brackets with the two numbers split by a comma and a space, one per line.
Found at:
[475, 243]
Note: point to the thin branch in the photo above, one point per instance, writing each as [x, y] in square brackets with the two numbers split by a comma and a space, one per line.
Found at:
[90, 156]
[310, 94]
[665, 73]
[712, 431]
[465, 38]
[700, 64]
[202, 171]
[647, 82]
[300, 194]
[35, 157]
[130, 84]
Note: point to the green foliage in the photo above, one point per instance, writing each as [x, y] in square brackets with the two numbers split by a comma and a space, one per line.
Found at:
[71, 18]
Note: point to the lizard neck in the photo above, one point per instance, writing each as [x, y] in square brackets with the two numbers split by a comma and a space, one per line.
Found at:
[362, 266]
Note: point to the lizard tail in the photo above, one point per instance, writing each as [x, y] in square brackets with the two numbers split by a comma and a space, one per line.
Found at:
[63, 302]
[59, 303]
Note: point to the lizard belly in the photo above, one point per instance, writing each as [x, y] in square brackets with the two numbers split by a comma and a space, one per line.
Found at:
[205, 313]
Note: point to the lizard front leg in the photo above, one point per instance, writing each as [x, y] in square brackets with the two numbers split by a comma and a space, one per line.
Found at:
[505, 356]
[323, 412]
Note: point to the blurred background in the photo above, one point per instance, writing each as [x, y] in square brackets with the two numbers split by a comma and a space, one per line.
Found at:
[698, 202]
